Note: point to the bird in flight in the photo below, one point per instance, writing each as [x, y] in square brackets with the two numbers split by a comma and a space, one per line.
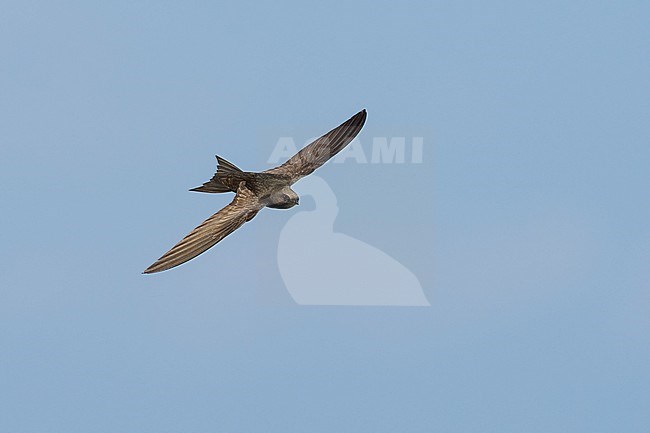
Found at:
[254, 191]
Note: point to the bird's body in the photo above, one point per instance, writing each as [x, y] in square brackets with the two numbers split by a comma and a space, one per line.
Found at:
[254, 191]
[268, 187]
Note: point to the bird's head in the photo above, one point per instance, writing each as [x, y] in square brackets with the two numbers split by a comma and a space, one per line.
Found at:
[284, 199]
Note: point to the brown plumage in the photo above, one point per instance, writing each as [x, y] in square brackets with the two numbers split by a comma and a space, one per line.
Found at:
[254, 191]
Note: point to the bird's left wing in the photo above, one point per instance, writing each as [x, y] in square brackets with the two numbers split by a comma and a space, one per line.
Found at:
[243, 208]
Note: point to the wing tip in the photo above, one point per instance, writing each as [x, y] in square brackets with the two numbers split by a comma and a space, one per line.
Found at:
[150, 270]
[362, 115]
[157, 266]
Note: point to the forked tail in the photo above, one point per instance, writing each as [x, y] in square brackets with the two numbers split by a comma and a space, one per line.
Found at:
[214, 185]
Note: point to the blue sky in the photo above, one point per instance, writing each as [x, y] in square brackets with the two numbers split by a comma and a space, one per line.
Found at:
[526, 223]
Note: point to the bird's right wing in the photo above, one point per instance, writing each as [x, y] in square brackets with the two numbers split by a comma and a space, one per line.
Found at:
[320, 150]
[243, 208]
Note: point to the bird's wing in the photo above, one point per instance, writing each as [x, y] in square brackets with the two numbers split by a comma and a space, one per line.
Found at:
[319, 151]
[243, 208]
